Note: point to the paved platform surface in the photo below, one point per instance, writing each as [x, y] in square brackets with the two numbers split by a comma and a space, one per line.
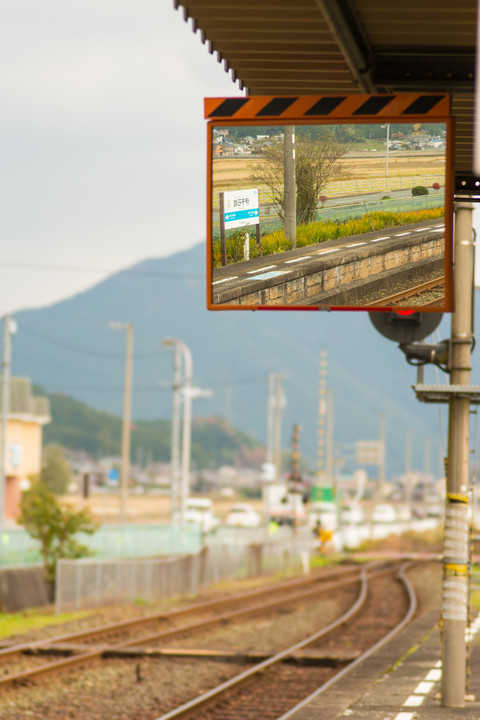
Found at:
[386, 688]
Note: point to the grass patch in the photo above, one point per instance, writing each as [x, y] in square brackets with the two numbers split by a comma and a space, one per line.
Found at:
[409, 541]
[317, 561]
[24, 622]
[475, 600]
[319, 232]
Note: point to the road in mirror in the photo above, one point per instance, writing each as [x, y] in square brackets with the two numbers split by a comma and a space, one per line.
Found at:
[328, 215]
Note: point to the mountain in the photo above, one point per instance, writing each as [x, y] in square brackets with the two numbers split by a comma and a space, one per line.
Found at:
[76, 426]
[69, 348]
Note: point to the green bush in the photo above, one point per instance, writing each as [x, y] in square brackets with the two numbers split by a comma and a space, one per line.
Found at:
[318, 232]
[419, 190]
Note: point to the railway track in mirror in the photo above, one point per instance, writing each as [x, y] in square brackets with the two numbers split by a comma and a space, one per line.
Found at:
[421, 292]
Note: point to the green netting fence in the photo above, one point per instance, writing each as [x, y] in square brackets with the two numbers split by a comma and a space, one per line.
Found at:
[112, 541]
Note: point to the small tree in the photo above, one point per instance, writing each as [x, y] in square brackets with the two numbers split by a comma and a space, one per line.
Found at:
[316, 163]
[55, 528]
[436, 186]
[56, 472]
[323, 199]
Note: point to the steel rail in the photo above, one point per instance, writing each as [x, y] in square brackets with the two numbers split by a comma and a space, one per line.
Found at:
[99, 651]
[422, 287]
[408, 616]
[177, 613]
[186, 710]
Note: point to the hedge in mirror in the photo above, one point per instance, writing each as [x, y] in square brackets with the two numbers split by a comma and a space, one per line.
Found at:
[360, 199]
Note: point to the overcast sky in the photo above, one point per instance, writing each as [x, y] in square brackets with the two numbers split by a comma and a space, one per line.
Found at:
[102, 140]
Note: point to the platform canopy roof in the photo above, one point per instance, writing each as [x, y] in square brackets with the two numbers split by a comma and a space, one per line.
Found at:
[327, 47]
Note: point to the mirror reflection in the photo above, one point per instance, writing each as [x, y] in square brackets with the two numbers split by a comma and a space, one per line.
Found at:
[328, 215]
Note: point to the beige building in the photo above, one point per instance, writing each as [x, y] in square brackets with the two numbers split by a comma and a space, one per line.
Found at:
[27, 414]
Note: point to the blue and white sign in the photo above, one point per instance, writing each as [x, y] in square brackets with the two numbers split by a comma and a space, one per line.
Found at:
[240, 208]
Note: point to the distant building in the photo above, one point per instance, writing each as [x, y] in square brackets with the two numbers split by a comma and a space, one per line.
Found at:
[26, 416]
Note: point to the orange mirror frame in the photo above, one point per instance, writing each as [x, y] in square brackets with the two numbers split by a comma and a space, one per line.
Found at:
[330, 202]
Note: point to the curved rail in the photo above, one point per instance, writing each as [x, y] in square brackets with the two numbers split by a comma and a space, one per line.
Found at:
[98, 651]
[207, 698]
[411, 610]
[178, 612]
[186, 710]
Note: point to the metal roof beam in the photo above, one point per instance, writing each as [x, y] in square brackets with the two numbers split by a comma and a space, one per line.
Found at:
[430, 71]
[347, 29]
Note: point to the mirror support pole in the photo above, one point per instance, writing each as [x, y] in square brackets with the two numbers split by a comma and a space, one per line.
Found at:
[289, 185]
[456, 533]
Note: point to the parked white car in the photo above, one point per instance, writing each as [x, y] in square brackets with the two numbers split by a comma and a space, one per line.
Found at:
[384, 514]
[353, 514]
[243, 515]
[199, 511]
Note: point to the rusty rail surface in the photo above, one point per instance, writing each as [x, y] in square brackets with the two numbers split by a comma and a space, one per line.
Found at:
[195, 707]
[404, 294]
[321, 583]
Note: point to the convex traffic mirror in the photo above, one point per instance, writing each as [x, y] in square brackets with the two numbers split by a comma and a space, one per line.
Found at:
[329, 202]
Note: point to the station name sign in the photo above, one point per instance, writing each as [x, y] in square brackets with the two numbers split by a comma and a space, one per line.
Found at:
[240, 208]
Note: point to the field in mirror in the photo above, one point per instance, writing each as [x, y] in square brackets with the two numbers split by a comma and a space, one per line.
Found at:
[332, 215]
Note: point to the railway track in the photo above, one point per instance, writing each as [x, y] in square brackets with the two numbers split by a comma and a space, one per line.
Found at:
[142, 682]
[419, 289]
[275, 689]
[206, 616]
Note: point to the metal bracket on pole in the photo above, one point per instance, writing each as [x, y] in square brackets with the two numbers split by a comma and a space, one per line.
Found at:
[443, 393]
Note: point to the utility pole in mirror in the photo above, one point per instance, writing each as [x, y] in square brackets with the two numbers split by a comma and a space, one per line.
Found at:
[290, 185]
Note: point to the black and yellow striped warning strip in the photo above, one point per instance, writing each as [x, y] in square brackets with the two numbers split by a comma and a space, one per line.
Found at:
[341, 107]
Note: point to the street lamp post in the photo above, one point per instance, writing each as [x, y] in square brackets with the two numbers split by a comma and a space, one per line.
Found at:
[127, 397]
[189, 393]
[175, 451]
[187, 423]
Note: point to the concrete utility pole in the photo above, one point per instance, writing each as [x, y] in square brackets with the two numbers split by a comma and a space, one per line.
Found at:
[279, 405]
[387, 148]
[322, 412]
[295, 478]
[187, 429]
[329, 438]
[175, 451]
[8, 330]
[383, 451]
[270, 418]
[408, 467]
[289, 185]
[456, 540]
[426, 458]
[126, 428]
[187, 392]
